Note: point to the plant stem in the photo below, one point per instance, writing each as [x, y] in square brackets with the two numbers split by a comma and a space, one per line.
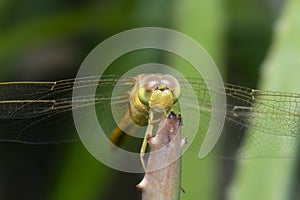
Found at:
[162, 179]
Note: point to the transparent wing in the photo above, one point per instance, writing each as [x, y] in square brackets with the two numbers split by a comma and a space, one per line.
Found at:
[264, 118]
[40, 112]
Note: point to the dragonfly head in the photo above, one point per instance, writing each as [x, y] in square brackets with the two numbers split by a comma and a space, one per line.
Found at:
[159, 91]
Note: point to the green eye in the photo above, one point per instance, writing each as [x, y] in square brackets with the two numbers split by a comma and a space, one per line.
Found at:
[149, 83]
[144, 95]
[146, 87]
[173, 85]
[176, 94]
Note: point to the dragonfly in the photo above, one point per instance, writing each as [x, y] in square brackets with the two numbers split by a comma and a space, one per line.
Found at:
[30, 112]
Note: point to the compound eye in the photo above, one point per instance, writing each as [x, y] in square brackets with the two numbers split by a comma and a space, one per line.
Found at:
[173, 85]
[147, 86]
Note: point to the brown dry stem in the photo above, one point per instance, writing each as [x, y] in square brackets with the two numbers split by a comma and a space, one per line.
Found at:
[162, 179]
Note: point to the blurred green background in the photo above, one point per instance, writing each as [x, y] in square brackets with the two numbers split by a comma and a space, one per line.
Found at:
[48, 40]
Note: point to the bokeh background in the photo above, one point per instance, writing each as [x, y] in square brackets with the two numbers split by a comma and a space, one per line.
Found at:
[48, 40]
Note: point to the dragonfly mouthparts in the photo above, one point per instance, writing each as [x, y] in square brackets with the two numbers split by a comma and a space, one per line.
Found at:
[161, 87]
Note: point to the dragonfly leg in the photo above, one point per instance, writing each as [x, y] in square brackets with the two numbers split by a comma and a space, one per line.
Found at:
[148, 134]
